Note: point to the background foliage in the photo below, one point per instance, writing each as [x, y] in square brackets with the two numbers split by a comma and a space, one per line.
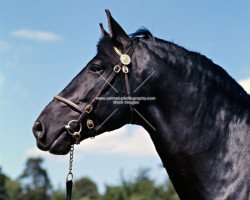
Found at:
[34, 184]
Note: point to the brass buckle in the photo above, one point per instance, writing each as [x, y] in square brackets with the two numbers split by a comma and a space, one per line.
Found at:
[117, 69]
[90, 124]
[88, 108]
[125, 69]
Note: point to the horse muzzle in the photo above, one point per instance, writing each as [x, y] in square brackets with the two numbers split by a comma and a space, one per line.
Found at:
[38, 130]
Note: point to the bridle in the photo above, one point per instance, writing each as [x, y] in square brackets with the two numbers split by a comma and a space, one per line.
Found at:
[122, 66]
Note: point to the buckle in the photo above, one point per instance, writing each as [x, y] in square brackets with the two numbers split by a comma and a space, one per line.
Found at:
[88, 108]
[90, 124]
[125, 69]
[117, 69]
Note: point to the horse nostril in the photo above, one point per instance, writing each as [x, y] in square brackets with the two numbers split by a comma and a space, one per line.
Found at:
[38, 130]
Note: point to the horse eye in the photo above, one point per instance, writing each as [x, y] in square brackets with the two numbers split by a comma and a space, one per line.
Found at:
[96, 68]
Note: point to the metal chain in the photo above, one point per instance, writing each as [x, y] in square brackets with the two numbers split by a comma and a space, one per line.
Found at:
[71, 156]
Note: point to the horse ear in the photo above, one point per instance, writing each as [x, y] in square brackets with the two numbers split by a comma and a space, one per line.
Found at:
[104, 33]
[117, 34]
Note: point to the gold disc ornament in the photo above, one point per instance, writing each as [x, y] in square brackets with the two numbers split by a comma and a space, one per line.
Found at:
[125, 59]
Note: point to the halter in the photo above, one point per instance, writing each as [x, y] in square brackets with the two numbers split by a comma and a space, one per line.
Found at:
[125, 60]
[122, 66]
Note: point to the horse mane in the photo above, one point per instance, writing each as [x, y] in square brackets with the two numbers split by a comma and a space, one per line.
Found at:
[141, 33]
[207, 68]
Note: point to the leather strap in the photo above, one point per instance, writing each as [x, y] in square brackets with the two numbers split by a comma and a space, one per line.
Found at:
[68, 102]
[129, 95]
[129, 52]
[69, 185]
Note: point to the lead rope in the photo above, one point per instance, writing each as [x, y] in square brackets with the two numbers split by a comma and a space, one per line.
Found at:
[69, 178]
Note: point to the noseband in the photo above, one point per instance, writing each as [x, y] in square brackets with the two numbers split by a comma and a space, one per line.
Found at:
[122, 66]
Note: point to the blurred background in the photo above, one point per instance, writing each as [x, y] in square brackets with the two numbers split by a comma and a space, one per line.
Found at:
[44, 44]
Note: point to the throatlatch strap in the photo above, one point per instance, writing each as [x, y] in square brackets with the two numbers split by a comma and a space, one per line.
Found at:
[129, 95]
[69, 185]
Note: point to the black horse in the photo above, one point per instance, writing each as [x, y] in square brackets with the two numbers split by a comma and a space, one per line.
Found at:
[196, 114]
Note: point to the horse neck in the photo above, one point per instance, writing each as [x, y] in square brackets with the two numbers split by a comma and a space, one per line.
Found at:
[199, 128]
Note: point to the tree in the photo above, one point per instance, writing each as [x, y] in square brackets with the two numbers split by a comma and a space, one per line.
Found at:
[14, 189]
[9, 189]
[115, 193]
[3, 191]
[58, 195]
[85, 189]
[142, 187]
[35, 181]
[171, 193]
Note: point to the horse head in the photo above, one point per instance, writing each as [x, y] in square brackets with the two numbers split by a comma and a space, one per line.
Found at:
[93, 102]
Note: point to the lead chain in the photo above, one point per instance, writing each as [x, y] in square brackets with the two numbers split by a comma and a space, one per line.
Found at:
[71, 156]
[69, 179]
